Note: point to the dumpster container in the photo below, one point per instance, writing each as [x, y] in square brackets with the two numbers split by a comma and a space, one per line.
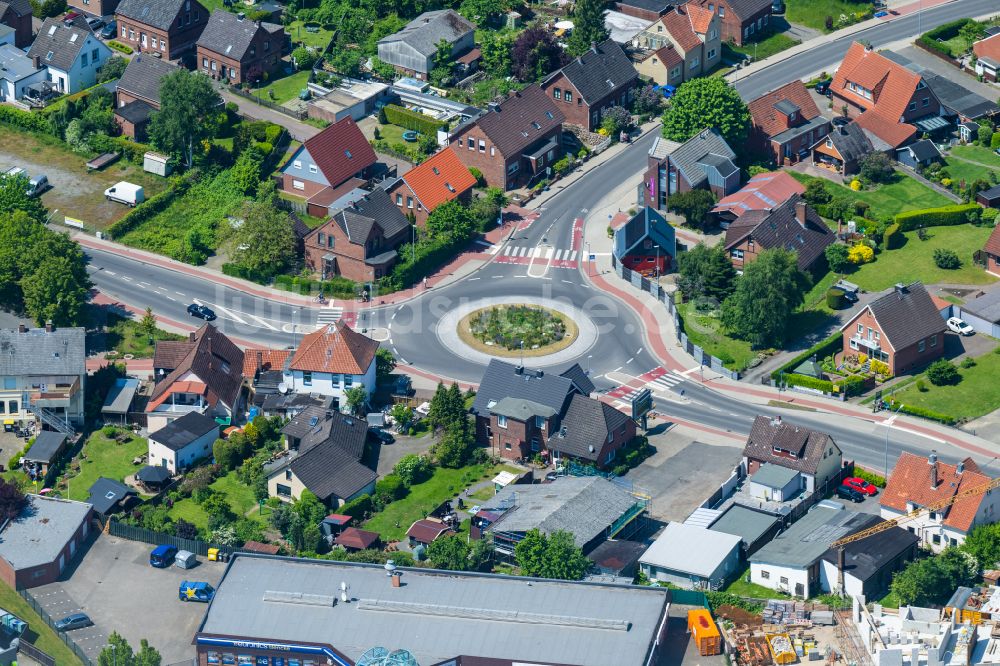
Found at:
[704, 632]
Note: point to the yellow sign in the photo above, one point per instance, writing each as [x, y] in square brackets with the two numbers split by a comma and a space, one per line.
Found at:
[190, 593]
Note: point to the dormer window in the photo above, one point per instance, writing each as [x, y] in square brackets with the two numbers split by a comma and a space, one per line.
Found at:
[536, 125]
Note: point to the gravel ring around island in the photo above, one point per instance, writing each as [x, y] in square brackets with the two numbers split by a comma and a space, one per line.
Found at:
[447, 331]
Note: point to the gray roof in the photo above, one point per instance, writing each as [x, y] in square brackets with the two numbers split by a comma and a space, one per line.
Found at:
[661, 148]
[744, 9]
[793, 132]
[35, 352]
[865, 559]
[787, 107]
[906, 316]
[505, 380]
[374, 211]
[602, 70]
[586, 424]
[585, 506]
[40, 534]
[511, 125]
[773, 476]
[780, 228]
[435, 615]
[143, 75]
[181, 432]
[787, 445]
[424, 32]
[807, 540]
[850, 141]
[120, 396]
[690, 550]
[15, 63]
[521, 409]
[155, 13]
[59, 44]
[315, 425]
[745, 523]
[579, 377]
[47, 444]
[991, 193]
[230, 36]
[105, 494]
[924, 150]
[955, 97]
[986, 306]
[330, 470]
[135, 112]
[20, 7]
[705, 144]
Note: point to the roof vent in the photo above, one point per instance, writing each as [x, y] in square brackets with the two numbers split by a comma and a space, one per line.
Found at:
[240, 16]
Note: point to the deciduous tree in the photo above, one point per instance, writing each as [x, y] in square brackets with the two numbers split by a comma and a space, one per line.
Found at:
[706, 272]
[588, 26]
[705, 103]
[12, 500]
[189, 101]
[694, 205]
[450, 552]
[13, 197]
[264, 242]
[759, 310]
[54, 293]
[837, 257]
[385, 363]
[535, 54]
[932, 580]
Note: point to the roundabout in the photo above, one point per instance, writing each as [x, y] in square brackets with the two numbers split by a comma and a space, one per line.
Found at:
[517, 329]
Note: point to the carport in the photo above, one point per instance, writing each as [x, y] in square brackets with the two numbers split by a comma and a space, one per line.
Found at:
[983, 313]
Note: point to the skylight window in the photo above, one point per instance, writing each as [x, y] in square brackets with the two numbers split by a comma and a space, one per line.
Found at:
[72, 38]
[450, 188]
[436, 171]
[548, 114]
[349, 156]
[52, 30]
[536, 125]
[48, 56]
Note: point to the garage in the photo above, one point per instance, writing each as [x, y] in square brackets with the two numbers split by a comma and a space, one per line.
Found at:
[983, 313]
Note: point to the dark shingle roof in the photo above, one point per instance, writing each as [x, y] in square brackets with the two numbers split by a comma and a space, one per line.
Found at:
[424, 32]
[153, 474]
[328, 470]
[135, 112]
[955, 97]
[504, 380]
[375, 210]
[180, 432]
[511, 125]
[20, 7]
[906, 315]
[169, 354]
[686, 157]
[787, 445]
[850, 141]
[744, 9]
[866, 558]
[602, 70]
[47, 444]
[587, 424]
[143, 75]
[105, 494]
[779, 228]
[230, 36]
[154, 13]
[924, 150]
[315, 425]
[579, 377]
[340, 151]
[58, 44]
[215, 360]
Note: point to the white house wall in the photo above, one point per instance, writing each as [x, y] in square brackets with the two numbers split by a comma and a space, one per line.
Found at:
[775, 575]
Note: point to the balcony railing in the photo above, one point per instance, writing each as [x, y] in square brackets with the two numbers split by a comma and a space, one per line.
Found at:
[866, 342]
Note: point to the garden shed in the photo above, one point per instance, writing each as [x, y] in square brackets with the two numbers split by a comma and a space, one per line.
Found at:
[982, 314]
[156, 163]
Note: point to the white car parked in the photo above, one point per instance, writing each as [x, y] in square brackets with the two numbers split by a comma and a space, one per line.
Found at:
[958, 326]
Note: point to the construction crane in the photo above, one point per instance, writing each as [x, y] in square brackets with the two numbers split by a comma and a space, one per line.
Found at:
[905, 518]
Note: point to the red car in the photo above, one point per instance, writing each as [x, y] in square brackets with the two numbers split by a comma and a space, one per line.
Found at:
[860, 485]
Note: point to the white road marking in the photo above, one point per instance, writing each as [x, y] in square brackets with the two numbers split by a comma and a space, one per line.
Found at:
[232, 315]
[111, 273]
[126, 278]
[573, 256]
[473, 279]
[567, 282]
[687, 372]
[630, 360]
[178, 293]
[171, 298]
[263, 322]
[548, 253]
[639, 352]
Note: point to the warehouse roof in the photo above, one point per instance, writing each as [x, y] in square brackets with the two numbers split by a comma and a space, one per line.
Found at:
[689, 549]
[39, 535]
[745, 523]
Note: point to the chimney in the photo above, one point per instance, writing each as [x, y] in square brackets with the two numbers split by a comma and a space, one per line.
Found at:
[932, 463]
[240, 16]
[593, 48]
[191, 336]
[21, 328]
[260, 360]
[38, 62]
[48, 326]
[800, 212]
[960, 467]
[900, 288]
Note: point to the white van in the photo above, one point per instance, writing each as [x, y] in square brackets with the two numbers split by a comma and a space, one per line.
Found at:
[125, 193]
[37, 185]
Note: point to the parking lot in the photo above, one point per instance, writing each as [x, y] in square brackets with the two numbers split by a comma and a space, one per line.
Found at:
[117, 588]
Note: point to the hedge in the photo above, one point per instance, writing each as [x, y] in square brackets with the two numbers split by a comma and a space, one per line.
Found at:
[944, 32]
[429, 256]
[821, 350]
[805, 381]
[130, 150]
[26, 120]
[358, 507]
[893, 238]
[151, 207]
[944, 216]
[337, 287]
[412, 120]
[121, 48]
[852, 385]
[244, 273]
[928, 414]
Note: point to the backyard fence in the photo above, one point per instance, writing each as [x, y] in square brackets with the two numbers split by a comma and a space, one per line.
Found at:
[667, 299]
[43, 658]
[47, 619]
[136, 533]
[257, 99]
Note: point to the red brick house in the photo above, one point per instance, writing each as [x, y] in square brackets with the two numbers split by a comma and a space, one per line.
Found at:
[16, 14]
[786, 123]
[327, 161]
[93, 7]
[903, 328]
[167, 27]
[599, 79]
[237, 50]
[743, 21]
[762, 192]
[512, 143]
[992, 247]
[889, 102]
[842, 149]
[358, 242]
[138, 94]
[426, 186]
[793, 225]
[703, 161]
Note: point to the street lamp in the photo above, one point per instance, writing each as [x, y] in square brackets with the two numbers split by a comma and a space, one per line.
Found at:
[885, 469]
[589, 356]
[588, 258]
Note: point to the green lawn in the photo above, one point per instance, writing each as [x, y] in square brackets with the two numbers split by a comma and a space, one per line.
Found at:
[959, 170]
[903, 194]
[773, 43]
[914, 261]
[813, 13]
[38, 633]
[393, 522]
[299, 34]
[741, 587]
[703, 329]
[977, 154]
[978, 393]
[284, 89]
[125, 337]
[239, 495]
[103, 457]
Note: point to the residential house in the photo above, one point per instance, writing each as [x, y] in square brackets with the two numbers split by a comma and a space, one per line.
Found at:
[46, 366]
[71, 54]
[427, 530]
[647, 10]
[514, 142]
[138, 93]
[987, 53]
[440, 178]
[178, 445]
[644, 242]
[38, 545]
[168, 28]
[902, 328]
[339, 155]
[413, 49]
[662, 66]
[521, 412]
[704, 161]
[44, 453]
[889, 102]
[958, 103]
[16, 14]
[17, 73]
[108, 496]
[694, 33]
[330, 361]
[358, 242]
[793, 225]
[800, 562]
[764, 192]
[842, 149]
[323, 450]
[968, 131]
[741, 21]
[692, 557]
[786, 123]
[599, 79]
[918, 482]
[352, 97]
[918, 154]
[812, 454]
[201, 374]
[234, 49]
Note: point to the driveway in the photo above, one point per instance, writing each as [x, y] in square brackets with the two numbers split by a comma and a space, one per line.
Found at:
[388, 455]
[926, 60]
[117, 588]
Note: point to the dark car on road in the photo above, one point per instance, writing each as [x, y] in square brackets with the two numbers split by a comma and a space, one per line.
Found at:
[848, 493]
[74, 621]
[201, 311]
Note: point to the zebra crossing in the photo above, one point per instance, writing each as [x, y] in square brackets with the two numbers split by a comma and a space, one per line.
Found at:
[658, 380]
[514, 251]
[329, 315]
[666, 382]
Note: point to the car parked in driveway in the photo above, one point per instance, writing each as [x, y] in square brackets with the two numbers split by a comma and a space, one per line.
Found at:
[959, 326]
[95, 22]
[201, 311]
[163, 556]
[195, 591]
[862, 486]
[110, 30]
[848, 493]
[74, 621]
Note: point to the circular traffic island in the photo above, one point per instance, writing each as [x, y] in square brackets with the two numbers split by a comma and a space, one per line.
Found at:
[513, 330]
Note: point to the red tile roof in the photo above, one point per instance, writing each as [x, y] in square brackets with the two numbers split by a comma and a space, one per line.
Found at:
[771, 121]
[669, 56]
[357, 539]
[340, 151]
[427, 530]
[940, 302]
[701, 18]
[258, 547]
[270, 359]
[910, 482]
[677, 23]
[893, 133]
[993, 243]
[441, 178]
[988, 48]
[213, 359]
[336, 349]
[762, 192]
